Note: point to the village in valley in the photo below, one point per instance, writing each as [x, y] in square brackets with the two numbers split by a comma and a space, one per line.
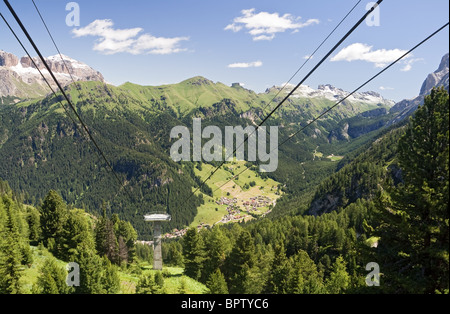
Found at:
[241, 199]
[238, 210]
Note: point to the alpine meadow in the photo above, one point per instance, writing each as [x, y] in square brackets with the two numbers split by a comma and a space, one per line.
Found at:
[218, 172]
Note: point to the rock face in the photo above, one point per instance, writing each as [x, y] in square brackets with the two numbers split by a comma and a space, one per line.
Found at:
[438, 78]
[8, 59]
[21, 78]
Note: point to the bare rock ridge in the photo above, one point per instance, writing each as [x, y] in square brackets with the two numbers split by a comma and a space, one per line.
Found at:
[20, 78]
[438, 78]
[8, 59]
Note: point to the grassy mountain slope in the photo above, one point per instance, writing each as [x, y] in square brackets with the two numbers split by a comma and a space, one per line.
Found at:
[42, 149]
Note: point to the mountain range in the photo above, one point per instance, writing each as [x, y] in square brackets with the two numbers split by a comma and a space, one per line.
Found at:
[332, 93]
[377, 119]
[42, 149]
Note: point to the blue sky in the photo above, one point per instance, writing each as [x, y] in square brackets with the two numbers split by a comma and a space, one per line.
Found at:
[258, 43]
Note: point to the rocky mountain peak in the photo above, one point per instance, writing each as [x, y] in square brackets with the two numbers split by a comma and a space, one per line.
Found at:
[8, 59]
[15, 72]
[438, 78]
[407, 107]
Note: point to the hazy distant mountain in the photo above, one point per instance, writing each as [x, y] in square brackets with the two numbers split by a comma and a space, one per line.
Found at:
[20, 79]
[375, 119]
[332, 93]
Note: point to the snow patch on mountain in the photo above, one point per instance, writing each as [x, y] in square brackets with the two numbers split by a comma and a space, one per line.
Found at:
[332, 93]
[14, 72]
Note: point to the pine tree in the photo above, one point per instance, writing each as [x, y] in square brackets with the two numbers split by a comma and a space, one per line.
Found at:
[414, 228]
[239, 263]
[53, 216]
[277, 283]
[193, 254]
[34, 224]
[339, 279]
[150, 284]
[51, 279]
[110, 278]
[216, 246]
[10, 272]
[216, 283]
[305, 278]
[91, 266]
[76, 233]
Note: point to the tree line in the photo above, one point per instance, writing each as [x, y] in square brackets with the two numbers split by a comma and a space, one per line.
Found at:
[99, 245]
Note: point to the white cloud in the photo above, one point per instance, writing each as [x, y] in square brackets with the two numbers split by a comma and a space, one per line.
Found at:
[255, 64]
[112, 41]
[264, 37]
[307, 57]
[386, 88]
[264, 25]
[408, 64]
[363, 52]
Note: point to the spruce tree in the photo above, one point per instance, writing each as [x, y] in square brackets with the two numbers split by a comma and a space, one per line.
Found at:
[150, 284]
[413, 249]
[51, 279]
[182, 289]
[339, 279]
[76, 233]
[216, 283]
[110, 278]
[193, 253]
[91, 267]
[53, 216]
[279, 274]
[105, 239]
[216, 246]
[10, 261]
[239, 263]
[34, 225]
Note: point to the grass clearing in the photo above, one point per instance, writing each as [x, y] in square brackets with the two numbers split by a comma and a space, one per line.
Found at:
[173, 281]
[247, 185]
[335, 158]
[173, 276]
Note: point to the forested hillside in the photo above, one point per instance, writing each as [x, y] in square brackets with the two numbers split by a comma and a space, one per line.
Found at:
[387, 203]
[132, 125]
